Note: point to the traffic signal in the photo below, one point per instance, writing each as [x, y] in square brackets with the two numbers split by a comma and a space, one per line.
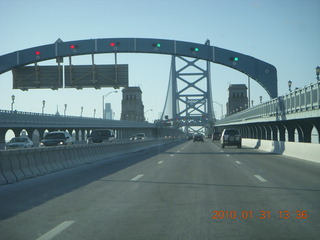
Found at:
[72, 46]
[114, 44]
[38, 53]
[194, 49]
[156, 45]
[234, 59]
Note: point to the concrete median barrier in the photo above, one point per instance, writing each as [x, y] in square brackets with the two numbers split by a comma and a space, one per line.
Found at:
[17, 165]
[6, 168]
[306, 151]
[24, 164]
[30, 156]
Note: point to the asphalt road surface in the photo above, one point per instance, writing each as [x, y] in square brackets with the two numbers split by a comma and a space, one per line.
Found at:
[190, 190]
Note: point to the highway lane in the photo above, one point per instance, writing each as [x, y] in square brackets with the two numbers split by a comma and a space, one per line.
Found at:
[193, 190]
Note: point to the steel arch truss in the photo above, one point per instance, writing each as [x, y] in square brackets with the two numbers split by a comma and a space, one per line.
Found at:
[264, 73]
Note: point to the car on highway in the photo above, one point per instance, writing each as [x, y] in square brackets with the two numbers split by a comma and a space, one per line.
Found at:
[101, 136]
[216, 136]
[57, 138]
[19, 142]
[230, 137]
[198, 137]
[138, 136]
[189, 137]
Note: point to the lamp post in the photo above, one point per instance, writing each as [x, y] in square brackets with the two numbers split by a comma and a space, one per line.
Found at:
[289, 85]
[146, 112]
[103, 109]
[318, 72]
[65, 109]
[94, 113]
[260, 99]
[221, 106]
[12, 98]
[81, 111]
[43, 105]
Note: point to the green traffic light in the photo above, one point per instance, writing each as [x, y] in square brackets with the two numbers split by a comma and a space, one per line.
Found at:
[196, 49]
[236, 59]
[158, 45]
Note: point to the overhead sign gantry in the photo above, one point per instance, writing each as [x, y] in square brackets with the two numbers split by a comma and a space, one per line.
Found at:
[264, 73]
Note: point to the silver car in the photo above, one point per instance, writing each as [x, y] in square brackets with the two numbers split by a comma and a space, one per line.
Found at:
[19, 142]
[230, 137]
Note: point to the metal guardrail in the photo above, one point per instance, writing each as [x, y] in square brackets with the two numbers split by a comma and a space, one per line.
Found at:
[37, 119]
[300, 100]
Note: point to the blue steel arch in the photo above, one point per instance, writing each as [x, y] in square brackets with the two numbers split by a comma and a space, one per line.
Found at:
[262, 72]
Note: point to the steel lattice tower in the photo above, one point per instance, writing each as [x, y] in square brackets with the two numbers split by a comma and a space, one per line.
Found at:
[189, 98]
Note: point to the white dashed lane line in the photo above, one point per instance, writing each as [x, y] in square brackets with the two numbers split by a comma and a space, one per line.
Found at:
[260, 178]
[237, 162]
[137, 177]
[55, 231]
[160, 162]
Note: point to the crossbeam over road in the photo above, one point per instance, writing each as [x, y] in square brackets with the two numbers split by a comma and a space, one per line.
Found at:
[264, 73]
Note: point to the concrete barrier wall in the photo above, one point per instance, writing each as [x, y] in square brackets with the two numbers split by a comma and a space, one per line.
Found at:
[16, 165]
[306, 151]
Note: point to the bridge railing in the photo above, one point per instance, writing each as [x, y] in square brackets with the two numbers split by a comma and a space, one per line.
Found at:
[299, 100]
[18, 117]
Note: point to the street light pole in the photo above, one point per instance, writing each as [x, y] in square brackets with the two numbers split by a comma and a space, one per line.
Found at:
[12, 98]
[81, 111]
[103, 108]
[221, 106]
[146, 113]
[318, 73]
[289, 85]
[65, 109]
[43, 105]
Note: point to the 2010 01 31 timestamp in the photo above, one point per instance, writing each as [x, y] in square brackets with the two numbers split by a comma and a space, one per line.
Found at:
[283, 214]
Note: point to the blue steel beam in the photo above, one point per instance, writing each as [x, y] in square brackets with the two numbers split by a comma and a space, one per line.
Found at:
[264, 73]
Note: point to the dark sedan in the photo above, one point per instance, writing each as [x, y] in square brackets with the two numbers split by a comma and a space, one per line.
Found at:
[198, 137]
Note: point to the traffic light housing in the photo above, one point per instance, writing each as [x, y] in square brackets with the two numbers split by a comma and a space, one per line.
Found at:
[114, 44]
[156, 45]
[234, 59]
[194, 49]
[73, 46]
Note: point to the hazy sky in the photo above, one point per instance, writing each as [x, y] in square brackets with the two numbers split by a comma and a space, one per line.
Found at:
[284, 33]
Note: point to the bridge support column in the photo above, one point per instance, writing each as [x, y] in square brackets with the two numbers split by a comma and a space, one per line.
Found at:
[3, 136]
[282, 132]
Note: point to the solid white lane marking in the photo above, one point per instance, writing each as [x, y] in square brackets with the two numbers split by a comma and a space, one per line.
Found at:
[260, 178]
[160, 162]
[137, 177]
[238, 162]
[55, 231]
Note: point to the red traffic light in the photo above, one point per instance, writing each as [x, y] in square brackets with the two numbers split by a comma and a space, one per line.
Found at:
[113, 44]
[73, 46]
[37, 52]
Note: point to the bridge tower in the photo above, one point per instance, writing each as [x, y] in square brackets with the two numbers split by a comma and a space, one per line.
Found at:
[189, 96]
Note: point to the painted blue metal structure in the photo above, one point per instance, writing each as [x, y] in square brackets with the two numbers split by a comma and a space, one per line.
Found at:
[264, 73]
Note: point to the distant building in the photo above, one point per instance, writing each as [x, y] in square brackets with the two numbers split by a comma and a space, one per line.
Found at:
[132, 106]
[238, 99]
[108, 111]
